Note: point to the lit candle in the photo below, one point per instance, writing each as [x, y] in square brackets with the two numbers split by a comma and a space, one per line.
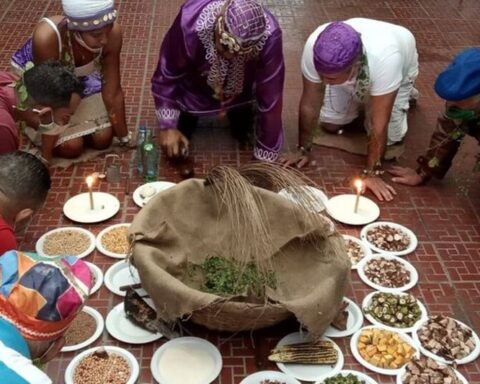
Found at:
[359, 185]
[90, 180]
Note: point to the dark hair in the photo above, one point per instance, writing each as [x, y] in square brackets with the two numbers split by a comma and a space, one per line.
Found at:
[24, 179]
[51, 84]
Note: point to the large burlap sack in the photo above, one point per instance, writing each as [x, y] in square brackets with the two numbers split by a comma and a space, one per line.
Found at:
[187, 223]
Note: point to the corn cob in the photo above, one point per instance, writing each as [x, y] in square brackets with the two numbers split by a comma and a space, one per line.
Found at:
[320, 352]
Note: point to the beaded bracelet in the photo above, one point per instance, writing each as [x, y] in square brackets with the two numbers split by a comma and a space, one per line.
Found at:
[373, 172]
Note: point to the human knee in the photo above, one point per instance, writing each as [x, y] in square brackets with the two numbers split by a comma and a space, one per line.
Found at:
[331, 128]
[102, 139]
[70, 149]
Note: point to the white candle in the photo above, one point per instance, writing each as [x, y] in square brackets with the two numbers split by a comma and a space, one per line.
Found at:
[90, 180]
[359, 186]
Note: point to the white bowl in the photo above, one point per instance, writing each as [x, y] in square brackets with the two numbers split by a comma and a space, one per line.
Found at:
[159, 187]
[98, 277]
[132, 362]
[365, 249]
[408, 267]
[354, 321]
[98, 331]
[359, 375]
[368, 299]
[120, 274]
[105, 251]
[413, 239]
[88, 251]
[258, 377]
[366, 364]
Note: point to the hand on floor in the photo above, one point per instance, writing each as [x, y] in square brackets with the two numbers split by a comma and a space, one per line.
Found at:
[294, 159]
[380, 189]
[404, 175]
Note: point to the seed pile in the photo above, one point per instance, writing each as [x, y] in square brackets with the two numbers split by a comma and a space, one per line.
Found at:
[354, 251]
[400, 311]
[427, 371]
[388, 238]
[116, 240]
[81, 329]
[66, 243]
[339, 379]
[100, 368]
[316, 352]
[446, 338]
[387, 273]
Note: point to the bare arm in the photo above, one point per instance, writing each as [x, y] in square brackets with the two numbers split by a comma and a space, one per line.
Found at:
[309, 111]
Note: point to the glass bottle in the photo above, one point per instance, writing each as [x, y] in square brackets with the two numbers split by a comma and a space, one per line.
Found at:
[141, 137]
[150, 158]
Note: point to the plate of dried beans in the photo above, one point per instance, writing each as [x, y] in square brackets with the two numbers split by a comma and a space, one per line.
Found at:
[84, 330]
[66, 241]
[389, 238]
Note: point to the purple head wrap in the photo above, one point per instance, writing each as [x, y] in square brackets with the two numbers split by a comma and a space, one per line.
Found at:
[245, 19]
[336, 48]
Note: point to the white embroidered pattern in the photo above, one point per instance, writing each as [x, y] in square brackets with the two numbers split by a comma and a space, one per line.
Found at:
[220, 68]
[264, 154]
[167, 113]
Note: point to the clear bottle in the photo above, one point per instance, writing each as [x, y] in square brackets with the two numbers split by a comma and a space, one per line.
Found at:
[141, 138]
[150, 158]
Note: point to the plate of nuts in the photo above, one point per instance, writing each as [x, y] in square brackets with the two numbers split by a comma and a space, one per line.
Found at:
[447, 340]
[387, 273]
[396, 311]
[356, 250]
[389, 238]
[424, 370]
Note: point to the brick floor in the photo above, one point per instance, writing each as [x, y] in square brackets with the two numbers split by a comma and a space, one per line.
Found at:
[445, 215]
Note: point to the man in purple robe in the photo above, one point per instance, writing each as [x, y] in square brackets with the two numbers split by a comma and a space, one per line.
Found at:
[221, 55]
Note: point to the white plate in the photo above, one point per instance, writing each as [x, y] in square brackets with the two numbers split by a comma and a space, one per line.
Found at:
[98, 277]
[258, 377]
[409, 267]
[341, 209]
[78, 209]
[132, 362]
[358, 375]
[467, 359]
[120, 274]
[41, 241]
[368, 299]
[319, 197]
[190, 343]
[98, 331]
[102, 249]
[354, 321]
[411, 235]
[124, 330]
[462, 378]
[158, 185]
[366, 250]
[309, 372]
[383, 371]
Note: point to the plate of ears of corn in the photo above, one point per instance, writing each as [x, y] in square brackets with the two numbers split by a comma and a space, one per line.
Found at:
[307, 359]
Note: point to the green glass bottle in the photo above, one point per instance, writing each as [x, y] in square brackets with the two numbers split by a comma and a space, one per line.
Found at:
[150, 158]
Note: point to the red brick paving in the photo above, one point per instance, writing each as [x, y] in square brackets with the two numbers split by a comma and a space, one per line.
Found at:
[445, 215]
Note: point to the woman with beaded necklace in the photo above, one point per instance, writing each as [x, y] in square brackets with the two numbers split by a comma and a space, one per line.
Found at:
[89, 40]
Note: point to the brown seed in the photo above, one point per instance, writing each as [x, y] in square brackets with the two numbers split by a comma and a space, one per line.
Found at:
[81, 329]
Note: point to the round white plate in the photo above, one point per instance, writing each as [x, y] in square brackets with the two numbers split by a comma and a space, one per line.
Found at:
[382, 371]
[467, 359]
[78, 209]
[102, 249]
[341, 208]
[354, 321]
[409, 267]
[366, 250]
[98, 331]
[124, 330]
[411, 235]
[120, 274]
[132, 362]
[357, 374]
[41, 241]
[320, 198]
[258, 377]
[462, 378]
[309, 372]
[190, 343]
[98, 277]
[158, 185]
[368, 299]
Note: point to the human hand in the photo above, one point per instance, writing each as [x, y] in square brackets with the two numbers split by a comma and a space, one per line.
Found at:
[298, 159]
[173, 142]
[404, 175]
[379, 188]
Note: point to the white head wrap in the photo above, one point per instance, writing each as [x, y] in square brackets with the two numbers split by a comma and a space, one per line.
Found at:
[87, 15]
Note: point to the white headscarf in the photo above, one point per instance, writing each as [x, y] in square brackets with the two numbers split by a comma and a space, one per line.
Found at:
[87, 15]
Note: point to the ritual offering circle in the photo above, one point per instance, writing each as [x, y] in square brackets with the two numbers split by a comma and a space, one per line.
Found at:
[389, 238]
[105, 364]
[78, 208]
[356, 250]
[113, 241]
[342, 209]
[424, 370]
[447, 340]
[66, 241]
[84, 330]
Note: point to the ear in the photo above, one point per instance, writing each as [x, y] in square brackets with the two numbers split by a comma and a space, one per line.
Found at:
[22, 218]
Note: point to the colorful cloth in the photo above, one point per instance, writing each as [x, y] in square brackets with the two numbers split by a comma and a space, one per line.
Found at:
[191, 76]
[42, 297]
[8, 128]
[87, 15]
[461, 79]
[7, 237]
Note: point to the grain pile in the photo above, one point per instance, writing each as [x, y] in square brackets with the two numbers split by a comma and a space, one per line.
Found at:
[116, 240]
[101, 367]
[81, 329]
[66, 243]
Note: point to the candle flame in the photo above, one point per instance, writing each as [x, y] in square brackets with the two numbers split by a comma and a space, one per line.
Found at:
[358, 184]
[89, 181]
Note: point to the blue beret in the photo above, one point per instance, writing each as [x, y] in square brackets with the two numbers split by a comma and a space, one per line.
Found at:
[461, 79]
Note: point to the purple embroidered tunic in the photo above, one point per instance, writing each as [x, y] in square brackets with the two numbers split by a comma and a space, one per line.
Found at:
[189, 71]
